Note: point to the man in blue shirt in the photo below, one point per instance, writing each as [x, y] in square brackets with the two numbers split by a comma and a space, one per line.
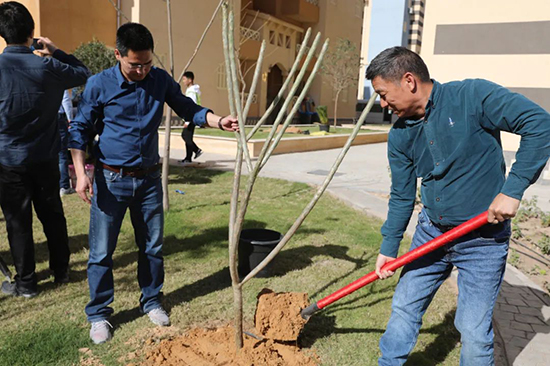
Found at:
[31, 88]
[449, 136]
[124, 105]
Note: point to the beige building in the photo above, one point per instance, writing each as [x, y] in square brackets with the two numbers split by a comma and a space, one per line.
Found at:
[494, 40]
[282, 23]
[68, 23]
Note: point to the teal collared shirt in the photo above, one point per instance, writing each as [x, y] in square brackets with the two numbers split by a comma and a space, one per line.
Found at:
[457, 154]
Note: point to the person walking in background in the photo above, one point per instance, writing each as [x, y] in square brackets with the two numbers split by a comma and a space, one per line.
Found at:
[127, 175]
[64, 117]
[31, 89]
[193, 91]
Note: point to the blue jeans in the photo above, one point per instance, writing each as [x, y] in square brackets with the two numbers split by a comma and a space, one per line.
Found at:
[63, 157]
[480, 258]
[113, 195]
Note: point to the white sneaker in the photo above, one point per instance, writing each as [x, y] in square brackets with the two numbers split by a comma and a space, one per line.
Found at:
[159, 317]
[99, 332]
[66, 191]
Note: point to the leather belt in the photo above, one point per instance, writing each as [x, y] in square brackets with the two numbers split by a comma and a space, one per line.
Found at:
[132, 172]
[487, 229]
[443, 228]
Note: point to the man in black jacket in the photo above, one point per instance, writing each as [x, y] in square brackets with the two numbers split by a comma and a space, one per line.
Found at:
[31, 88]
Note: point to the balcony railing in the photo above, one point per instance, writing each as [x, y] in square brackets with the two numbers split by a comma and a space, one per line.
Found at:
[248, 33]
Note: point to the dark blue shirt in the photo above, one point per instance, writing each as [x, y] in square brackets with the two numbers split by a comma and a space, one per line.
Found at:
[126, 116]
[456, 151]
[31, 88]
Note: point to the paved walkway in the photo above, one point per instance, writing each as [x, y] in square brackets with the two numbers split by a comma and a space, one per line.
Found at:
[522, 315]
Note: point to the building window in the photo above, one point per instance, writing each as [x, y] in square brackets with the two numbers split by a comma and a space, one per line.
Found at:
[222, 76]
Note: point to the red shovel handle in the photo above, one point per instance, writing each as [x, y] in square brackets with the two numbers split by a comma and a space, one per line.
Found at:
[449, 236]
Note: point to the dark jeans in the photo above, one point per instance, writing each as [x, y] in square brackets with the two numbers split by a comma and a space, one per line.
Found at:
[113, 196]
[63, 153]
[190, 146]
[39, 184]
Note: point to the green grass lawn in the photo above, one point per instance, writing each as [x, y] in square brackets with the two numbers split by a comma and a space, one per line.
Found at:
[263, 132]
[335, 246]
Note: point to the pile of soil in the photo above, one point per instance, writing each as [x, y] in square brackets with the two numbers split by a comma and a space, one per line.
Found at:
[277, 319]
[278, 314]
[212, 347]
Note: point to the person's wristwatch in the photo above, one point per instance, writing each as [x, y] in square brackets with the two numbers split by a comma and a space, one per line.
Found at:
[220, 123]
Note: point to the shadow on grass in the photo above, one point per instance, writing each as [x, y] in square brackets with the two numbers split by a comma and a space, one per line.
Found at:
[438, 350]
[180, 175]
[323, 325]
[288, 260]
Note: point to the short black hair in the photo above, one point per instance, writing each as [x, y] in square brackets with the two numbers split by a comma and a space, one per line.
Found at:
[392, 63]
[16, 23]
[189, 75]
[135, 37]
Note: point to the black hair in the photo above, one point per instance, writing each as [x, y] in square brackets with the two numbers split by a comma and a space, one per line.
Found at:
[135, 37]
[189, 75]
[392, 63]
[16, 23]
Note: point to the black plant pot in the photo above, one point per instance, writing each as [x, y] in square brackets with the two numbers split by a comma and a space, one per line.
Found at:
[324, 128]
[254, 246]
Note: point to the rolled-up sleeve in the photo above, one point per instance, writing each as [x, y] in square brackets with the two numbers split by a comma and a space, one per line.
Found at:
[89, 111]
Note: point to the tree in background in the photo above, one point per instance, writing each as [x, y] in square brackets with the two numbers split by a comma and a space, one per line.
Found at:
[341, 66]
[96, 56]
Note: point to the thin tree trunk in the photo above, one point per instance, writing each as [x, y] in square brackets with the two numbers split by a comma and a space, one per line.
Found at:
[336, 107]
[168, 120]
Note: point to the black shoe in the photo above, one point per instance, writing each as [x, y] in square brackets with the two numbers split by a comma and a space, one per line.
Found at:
[185, 161]
[61, 278]
[10, 288]
[198, 153]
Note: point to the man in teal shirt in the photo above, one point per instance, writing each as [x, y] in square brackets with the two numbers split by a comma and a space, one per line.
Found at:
[449, 136]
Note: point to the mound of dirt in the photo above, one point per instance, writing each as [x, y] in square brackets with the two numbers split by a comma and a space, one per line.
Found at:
[278, 314]
[212, 347]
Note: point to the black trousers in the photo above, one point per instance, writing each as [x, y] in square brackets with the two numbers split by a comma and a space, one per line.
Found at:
[190, 146]
[38, 185]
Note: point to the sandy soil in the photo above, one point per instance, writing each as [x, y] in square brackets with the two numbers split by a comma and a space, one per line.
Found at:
[278, 314]
[277, 320]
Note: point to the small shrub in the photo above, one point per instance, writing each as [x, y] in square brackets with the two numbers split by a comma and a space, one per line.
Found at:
[514, 258]
[516, 231]
[544, 244]
[528, 210]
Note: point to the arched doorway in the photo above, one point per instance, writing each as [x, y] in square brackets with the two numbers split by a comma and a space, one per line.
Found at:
[274, 84]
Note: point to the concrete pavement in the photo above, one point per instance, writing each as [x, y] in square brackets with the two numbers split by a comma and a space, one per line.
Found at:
[522, 314]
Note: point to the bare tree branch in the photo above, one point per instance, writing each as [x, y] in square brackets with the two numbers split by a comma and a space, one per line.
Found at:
[307, 210]
[168, 119]
[201, 40]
